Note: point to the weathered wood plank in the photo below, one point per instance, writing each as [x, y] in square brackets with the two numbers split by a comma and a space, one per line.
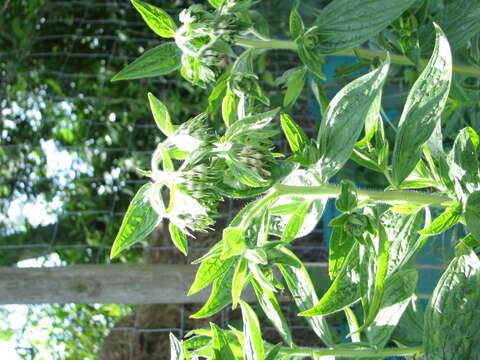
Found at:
[82, 284]
[102, 284]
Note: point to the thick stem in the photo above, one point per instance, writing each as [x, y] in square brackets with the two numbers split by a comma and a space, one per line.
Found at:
[354, 353]
[364, 53]
[395, 197]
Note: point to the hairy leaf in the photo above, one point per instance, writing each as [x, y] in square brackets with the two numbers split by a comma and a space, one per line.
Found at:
[238, 280]
[160, 60]
[448, 218]
[210, 269]
[464, 163]
[347, 201]
[253, 345]
[423, 109]
[176, 349]
[472, 214]
[404, 241]
[295, 223]
[179, 238]
[397, 294]
[295, 136]
[296, 24]
[161, 115]
[139, 221]
[342, 292]
[452, 317]
[300, 286]
[220, 296]
[271, 308]
[340, 245]
[344, 120]
[348, 23]
[157, 19]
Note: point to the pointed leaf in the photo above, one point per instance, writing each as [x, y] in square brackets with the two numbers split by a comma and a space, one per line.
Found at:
[295, 223]
[399, 289]
[157, 19]
[452, 316]
[220, 296]
[179, 238]
[176, 349]
[301, 287]
[448, 218]
[344, 119]
[139, 221]
[296, 24]
[238, 280]
[472, 214]
[160, 60]
[161, 115]
[212, 268]
[423, 109]
[253, 346]
[347, 23]
[342, 292]
[295, 136]
[271, 308]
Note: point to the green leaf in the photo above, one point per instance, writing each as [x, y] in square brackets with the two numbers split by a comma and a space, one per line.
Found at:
[216, 3]
[452, 316]
[464, 164]
[296, 24]
[347, 201]
[341, 244]
[220, 296]
[139, 221]
[221, 347]
[238, 280]
[160, 60]
[409, 330]
[352, 324]
[372, 120]
[179, 238]
[342, 292]
[295, 223]
[157, 19]
[344, 119]
[422, 110]
[161, 115]
[448, 218]
[234, 242]
[295, 136]
[472, 214]
[273, 353]
[259, 275]
[229, 107]
[454, 13]
[299, 177]
[402, 231]
[363, 158]
[218, 92]
[310, 55]
[381, 270]
[347, 23]
[176, 349]
[303, 293]
[210, 269]
[398, 292]
[253, 345]
[295, 84]
[271, 308]
[251, 123]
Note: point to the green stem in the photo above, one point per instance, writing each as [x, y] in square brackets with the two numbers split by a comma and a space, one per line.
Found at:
[355, 353]
[396, 196]
[259, 206]
[363, 53]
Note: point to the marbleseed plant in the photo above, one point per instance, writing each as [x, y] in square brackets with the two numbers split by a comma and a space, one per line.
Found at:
[375, 239]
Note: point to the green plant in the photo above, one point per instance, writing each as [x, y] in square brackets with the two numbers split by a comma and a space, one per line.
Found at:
[375, 239]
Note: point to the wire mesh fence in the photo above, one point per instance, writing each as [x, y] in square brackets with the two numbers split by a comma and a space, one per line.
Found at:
[87, 137]
[70, 143]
